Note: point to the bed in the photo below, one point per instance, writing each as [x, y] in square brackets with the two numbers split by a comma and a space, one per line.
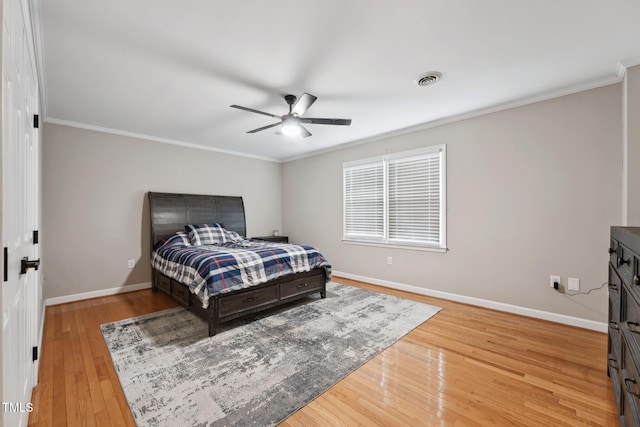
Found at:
[170, 213]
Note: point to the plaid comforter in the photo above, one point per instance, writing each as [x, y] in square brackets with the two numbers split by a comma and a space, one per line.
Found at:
[213, 269]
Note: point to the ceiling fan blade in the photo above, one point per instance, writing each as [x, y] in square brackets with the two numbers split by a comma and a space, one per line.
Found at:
[317, 121]
[303, 104]
[251, 110]
[304, 132]
[264, 127]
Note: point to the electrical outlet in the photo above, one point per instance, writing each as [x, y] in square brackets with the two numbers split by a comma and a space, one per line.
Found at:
[573, 284]
[131, 263]
[389, 260]
[554, 279]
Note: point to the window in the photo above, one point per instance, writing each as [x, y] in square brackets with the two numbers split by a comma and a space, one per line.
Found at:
[398, 199]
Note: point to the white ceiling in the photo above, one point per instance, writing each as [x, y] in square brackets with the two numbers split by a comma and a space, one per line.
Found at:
[169, 70]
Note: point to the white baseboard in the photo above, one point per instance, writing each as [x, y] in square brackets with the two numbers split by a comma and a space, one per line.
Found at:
[509, 308]
[96, 294]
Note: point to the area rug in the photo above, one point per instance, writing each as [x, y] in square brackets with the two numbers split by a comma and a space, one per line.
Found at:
[257, 371]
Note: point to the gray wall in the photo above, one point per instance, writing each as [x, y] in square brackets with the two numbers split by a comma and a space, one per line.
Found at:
[95, 211]
[531, 191]
[631, 202]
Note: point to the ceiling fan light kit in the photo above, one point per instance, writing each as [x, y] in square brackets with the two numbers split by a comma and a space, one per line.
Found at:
[291, 126]
[291, 123]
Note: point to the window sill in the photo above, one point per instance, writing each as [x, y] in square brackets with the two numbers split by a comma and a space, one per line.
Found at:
[396, 246]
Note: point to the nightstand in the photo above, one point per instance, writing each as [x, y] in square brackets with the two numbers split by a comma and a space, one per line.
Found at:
[278, 239]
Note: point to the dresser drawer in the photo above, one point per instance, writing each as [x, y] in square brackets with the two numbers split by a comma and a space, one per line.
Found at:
[237, 303]
[614, 327]
[615, 373]
[301, 286]
[630, 309]
[627, 264]
[615, 292]
[180, 293]
[632, 288]
[629, 332]
[630, 383]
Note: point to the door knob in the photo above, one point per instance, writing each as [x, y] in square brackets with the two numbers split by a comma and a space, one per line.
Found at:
[25, 264]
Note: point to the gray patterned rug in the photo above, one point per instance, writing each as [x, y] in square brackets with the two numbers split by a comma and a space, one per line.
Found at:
[254, 372]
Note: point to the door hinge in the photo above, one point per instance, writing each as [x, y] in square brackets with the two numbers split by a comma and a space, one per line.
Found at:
[34, 352]
[6, 261]
[35, 237]
[36, 121]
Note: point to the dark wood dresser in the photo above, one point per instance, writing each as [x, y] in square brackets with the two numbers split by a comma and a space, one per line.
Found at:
[624, 322]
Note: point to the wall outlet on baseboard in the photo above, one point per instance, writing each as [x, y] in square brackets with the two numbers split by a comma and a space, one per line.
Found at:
[131, 263]
[553, 280]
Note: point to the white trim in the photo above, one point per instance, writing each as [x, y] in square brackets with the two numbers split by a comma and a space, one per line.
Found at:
[395, 246]
[128, 134]
[621, 70]
[494, 305]
[96, 294]
[625, 150]
[443, 197]
[632, 62]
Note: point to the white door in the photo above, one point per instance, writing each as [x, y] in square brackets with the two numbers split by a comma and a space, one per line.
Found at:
[20, 295]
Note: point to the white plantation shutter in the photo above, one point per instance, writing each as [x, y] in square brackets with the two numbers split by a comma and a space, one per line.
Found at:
[414, 199]
[397, 199]
[364, 201]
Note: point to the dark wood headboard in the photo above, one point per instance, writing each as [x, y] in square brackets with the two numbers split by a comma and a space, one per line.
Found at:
[171, 212]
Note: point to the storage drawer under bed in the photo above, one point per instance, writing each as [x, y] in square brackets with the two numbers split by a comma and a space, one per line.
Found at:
[180, 293]
[239, 302]
[163, 283]
[300, 286]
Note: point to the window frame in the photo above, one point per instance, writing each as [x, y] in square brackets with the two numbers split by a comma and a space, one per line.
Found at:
[385, 241]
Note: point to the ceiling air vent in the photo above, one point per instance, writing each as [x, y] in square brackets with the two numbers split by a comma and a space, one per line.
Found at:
[429, 78]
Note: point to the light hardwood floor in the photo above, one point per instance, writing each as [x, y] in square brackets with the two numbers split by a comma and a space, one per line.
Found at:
[466, 366]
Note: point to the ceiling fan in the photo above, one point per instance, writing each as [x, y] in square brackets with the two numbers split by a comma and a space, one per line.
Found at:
[293, 120]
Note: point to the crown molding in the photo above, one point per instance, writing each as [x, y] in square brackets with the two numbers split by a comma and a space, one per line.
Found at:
[632, 62]
[626, 64]
[135, 135]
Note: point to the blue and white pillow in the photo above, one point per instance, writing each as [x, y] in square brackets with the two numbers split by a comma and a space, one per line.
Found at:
[232, 236]
[206, 234]
[179, 238]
